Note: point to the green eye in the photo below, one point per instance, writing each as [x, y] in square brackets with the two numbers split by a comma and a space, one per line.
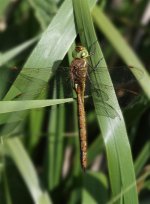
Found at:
[80, 52]
[83, 54]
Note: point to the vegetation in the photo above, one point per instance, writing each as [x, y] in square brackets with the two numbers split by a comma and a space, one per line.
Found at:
[40, 154]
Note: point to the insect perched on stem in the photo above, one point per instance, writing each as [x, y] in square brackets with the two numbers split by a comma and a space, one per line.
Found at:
[31, 78]
[78, 72]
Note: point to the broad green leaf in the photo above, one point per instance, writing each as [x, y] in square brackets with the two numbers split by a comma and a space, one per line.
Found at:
[140, 181]
[96, 148]
[46, 54]
[12, 106]
[112, 125]
[49, 52]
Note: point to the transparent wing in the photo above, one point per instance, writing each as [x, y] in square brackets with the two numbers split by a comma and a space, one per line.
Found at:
[39, 76]
[121, 74]
[107, 110]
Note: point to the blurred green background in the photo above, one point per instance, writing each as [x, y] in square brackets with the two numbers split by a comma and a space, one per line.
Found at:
[39, 148]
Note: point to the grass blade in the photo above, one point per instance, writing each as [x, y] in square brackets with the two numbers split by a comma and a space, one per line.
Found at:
[113, 129]
[12, 106]
[142, 158]
[16, 151]
[123, 49]
[5, 57]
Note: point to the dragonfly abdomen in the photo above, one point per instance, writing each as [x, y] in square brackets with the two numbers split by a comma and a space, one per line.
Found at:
[78, 72]
[82, 129]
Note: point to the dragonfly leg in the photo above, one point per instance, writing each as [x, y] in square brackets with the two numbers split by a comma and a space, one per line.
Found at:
[96, 66]
[93, 87]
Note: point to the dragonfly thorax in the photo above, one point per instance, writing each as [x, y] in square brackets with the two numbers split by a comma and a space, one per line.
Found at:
[78, 72]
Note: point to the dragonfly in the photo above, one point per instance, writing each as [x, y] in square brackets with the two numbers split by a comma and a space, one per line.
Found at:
[79, 75]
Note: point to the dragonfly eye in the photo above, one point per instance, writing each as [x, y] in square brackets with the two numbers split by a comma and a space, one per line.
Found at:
[80, 52]
[83, 54]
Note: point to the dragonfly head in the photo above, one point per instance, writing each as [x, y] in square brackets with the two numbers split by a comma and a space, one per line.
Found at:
[80, 52]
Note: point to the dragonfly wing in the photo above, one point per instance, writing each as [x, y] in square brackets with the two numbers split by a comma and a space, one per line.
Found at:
[125, 84]
[92, 48]
[100, 93]
[100, 90]
[27, 86]
[121, 74]
[38, 73]
[106, 110]
[31, 78]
